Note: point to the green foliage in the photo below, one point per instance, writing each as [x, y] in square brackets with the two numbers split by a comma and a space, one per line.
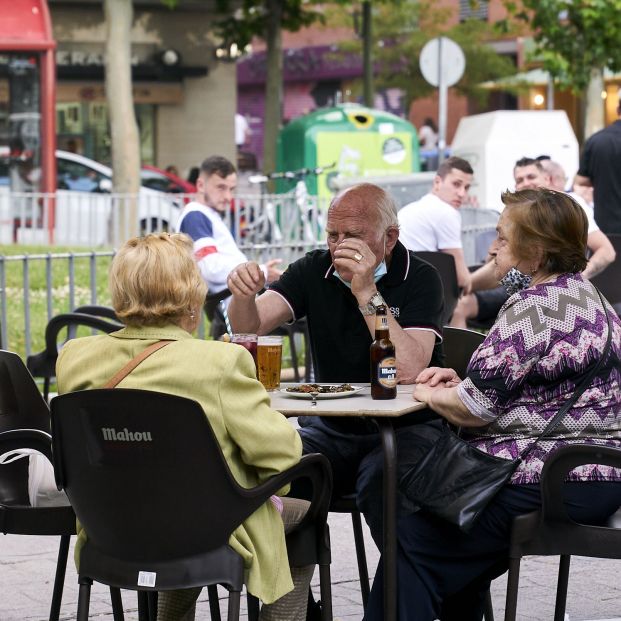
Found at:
[401, 29]
[240, 22]
[574, 37]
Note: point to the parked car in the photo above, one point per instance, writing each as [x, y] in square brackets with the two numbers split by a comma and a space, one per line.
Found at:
[86, 212]
[164, 181]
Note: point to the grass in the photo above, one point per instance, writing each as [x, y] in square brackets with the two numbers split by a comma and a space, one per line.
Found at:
[64, 295]
[32, 293]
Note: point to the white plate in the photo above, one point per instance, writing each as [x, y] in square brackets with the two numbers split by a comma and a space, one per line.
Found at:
[322, 395]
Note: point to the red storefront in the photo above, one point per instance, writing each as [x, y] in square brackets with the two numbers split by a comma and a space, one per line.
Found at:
[27, 97]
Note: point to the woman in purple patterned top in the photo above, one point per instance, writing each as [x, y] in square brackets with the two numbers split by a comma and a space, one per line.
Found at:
[547, 336]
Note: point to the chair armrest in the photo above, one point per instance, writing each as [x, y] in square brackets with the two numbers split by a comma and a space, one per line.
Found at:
[56, 324]
[34, 439]
[42, 363]
[559, 464]
[315, 467]
[309, 542]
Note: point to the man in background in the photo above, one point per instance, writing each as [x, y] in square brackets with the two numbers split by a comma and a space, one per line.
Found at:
[486, 299]
[433, 223]
[599, 168]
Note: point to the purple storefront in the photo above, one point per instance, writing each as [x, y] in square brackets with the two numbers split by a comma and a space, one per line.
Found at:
[314, 77]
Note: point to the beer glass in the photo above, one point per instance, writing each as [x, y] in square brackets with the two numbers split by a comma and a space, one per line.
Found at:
[249, 341]
[269, 355]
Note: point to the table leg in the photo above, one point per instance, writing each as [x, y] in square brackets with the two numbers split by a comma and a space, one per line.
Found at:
[389, 447]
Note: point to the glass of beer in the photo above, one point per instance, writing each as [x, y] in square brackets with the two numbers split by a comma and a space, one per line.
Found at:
[269, 355]
[249, 341]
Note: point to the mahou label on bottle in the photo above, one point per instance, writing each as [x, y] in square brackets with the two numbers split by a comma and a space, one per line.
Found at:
[387, 372]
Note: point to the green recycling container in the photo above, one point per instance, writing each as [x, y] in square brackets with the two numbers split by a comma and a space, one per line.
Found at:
[351, 140]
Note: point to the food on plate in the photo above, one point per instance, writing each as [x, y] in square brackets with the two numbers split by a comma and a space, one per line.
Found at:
[321, 388]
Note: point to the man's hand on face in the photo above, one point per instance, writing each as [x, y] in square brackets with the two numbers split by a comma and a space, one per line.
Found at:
[353, 256]
[246, 280]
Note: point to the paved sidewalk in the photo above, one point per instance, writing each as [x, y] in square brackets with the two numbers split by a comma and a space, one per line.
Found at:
[27, 566]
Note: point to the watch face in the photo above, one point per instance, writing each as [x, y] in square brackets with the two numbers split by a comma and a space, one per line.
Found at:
[377, 300]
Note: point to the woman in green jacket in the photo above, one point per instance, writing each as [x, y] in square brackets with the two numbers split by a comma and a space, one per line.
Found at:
[158, 293]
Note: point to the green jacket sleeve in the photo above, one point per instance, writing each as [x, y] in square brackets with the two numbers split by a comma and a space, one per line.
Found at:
[266, 440]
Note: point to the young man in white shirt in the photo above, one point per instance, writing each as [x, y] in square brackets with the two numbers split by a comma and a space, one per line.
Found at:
[433, 223]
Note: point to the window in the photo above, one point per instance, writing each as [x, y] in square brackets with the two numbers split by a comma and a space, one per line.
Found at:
[78, 177]
[473, 9]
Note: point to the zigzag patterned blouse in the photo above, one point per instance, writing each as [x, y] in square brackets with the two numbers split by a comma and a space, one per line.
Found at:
[544, 341]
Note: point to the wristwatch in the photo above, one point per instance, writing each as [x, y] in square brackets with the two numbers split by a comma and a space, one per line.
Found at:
[370, 308]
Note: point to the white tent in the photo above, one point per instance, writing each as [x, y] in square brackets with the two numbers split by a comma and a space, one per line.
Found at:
[494, 141]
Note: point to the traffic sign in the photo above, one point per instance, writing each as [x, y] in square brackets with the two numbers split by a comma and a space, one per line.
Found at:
[442, 62]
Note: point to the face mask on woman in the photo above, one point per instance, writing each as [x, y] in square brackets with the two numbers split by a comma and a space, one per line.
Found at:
[514, 281]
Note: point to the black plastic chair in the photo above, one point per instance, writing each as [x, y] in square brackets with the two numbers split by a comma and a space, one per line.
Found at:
[347, 504]
[158, 501]
[459, 345]
[43, 364]
[445, 264]
[550, 531]
[25, 423]
[105, 312]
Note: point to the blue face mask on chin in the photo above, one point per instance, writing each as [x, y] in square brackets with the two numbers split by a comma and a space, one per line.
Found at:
[380, 271]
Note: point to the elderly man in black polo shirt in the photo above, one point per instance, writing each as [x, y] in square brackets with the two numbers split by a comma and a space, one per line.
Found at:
[338, 291]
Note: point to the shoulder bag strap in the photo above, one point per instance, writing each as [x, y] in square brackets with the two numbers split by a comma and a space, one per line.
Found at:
[582, 386]
[134, 362]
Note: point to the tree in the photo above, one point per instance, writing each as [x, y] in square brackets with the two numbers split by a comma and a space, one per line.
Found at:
[123, 126]
[576, 41]
[266, 19]
[401, 29]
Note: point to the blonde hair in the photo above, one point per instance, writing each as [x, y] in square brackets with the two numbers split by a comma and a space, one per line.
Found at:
[154, 280]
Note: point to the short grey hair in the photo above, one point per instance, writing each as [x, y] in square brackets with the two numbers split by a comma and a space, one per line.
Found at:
[387, 208]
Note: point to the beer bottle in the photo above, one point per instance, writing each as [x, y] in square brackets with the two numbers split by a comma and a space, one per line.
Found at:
[383, 361]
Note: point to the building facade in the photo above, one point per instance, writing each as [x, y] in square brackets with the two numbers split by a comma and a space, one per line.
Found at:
[184, 98]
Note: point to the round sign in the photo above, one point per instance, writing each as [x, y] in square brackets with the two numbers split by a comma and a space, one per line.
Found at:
[442, 60]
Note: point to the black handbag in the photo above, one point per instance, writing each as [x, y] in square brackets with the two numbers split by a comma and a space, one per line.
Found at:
[456, 481]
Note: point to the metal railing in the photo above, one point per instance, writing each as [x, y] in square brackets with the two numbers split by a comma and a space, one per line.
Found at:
[478, 230]
[93, 220]
[35, 287]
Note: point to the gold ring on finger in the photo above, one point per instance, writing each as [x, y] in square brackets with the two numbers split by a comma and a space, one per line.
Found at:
[358, 257]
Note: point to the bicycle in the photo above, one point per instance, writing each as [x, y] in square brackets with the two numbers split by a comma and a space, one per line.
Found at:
[306, 222]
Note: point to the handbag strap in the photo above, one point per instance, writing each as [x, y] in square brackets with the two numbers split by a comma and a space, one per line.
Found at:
[580, 388]
[134, 362]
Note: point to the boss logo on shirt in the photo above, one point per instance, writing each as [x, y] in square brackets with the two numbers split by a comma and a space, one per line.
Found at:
[395, 311]
[111, 434]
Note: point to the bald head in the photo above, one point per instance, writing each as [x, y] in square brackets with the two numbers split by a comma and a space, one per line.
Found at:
[368, 201]
[558, 179]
